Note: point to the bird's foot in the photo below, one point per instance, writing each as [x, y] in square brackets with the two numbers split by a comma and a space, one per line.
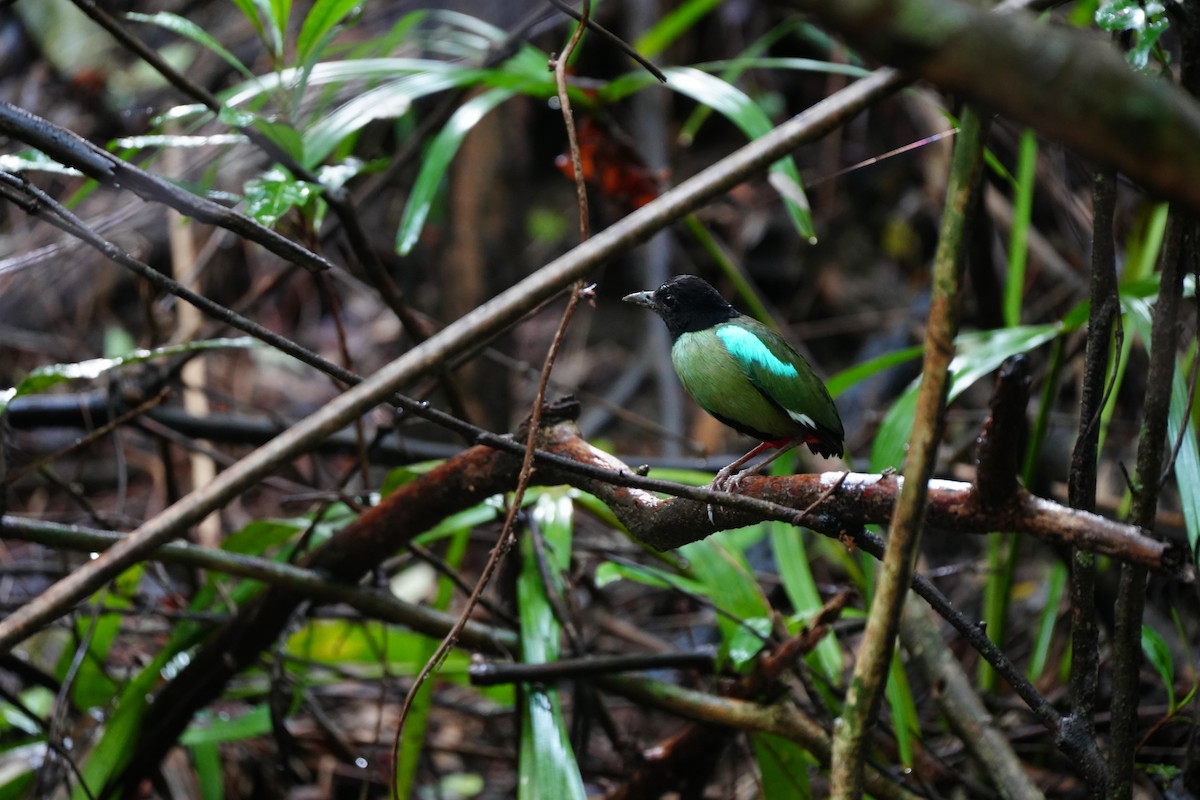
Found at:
[730, 480]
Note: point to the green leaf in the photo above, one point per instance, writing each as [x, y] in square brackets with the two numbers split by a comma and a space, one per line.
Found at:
[906, 723]
[794, 64]
[20, 762]
[437, 160]
[1047, 620]
[412, 743]
[209, 773]
[35, 161]
[43, 378]
[249, 9]
[319, 26]
[120, 735]
[283, 134]
[260, 536]
[336, 72]
[1159, 655]
[276, 13]
[792, 560]
[860, 372]
[274, 193]
[1187, 463]
[979, 354]
[738, 108]
[1145, 21]
[732, 588]
[393, 99]
[784, 766]
[212, 729]
[547, 768]
[673, 25]
[93, 687]
[190, 30]
[611, 571]
[1018, 243]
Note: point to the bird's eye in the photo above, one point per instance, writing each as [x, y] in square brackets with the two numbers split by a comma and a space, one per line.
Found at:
[668, 301]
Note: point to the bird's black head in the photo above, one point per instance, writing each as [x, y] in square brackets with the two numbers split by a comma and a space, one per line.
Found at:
[686, 303]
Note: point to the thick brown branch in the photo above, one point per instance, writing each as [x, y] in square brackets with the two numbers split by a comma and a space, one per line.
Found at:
[861, 499]
[1076, 90]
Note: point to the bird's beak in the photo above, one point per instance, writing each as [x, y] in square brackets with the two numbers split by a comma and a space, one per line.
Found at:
[645, 299]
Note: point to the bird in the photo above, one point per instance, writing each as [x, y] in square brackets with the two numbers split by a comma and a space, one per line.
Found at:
[743, 373]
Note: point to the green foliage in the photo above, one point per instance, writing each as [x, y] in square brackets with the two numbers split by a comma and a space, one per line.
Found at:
[274, 193]
[979, 354]
[791, 558]
[547, 766]
[279, 104]
[673, 25]
[1046, 623]
[1159, 655]
[739, 109]
[1145, 22]
[1014, 289]
[437, 161]
[784, 766]
[190, 30]
[417, 726]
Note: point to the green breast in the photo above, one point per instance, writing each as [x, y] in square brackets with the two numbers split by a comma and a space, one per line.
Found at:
[721, 386]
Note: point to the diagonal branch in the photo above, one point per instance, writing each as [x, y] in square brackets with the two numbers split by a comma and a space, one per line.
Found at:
[870, 672]
[478, 325]
[107, 169]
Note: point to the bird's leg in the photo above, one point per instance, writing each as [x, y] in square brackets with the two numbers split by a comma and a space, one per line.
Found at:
[767, 462]
[730, 482]
[721, 482]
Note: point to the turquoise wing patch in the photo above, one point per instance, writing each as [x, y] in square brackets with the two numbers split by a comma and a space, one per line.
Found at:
[752, 353]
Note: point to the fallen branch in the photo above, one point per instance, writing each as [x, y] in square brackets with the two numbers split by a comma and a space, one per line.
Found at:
[482, 471]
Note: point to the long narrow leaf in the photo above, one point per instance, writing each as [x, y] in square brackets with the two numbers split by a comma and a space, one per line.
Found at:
[190, 30]
[320, 25]
[784, 766]
[412, 743]
[673, 25]
[437, 160]
[791, 559]
[1018, 240]
[732, 587]
[548, 769]
[979, 354]
[1047, 620]
[1187, 462]
[738, 108]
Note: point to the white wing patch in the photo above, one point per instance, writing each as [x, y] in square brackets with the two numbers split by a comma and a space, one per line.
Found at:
[749, 349]
[803, 419]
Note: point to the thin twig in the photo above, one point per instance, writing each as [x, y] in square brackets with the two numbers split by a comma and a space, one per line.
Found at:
[610, 37]
[507, 535]
[564, 101]
[90, 437]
